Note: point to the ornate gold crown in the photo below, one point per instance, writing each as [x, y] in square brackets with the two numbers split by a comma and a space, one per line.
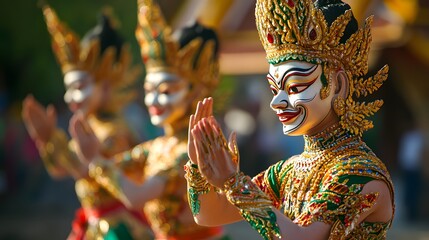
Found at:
[161, 52]
[297, 30]
[119, 74]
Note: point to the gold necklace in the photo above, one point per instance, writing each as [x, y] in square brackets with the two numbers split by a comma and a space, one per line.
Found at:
[305, 172]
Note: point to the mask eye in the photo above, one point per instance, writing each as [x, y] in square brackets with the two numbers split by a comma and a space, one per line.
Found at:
[164, 89]
[273, 90]
[297, 89]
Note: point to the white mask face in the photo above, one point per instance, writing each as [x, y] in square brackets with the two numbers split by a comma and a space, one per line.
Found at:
[79, 88]
[165, 97]
[297, 102]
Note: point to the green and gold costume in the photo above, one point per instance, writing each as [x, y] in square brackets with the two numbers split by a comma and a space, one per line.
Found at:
[323, 184]
[192, 61]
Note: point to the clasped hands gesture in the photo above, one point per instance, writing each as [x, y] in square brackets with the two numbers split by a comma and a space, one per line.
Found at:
[41, 123]
[217, 159]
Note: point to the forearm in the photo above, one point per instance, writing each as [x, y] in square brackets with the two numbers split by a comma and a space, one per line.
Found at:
[136, 195]
[216, 210]
[133, 195]
[209, 206]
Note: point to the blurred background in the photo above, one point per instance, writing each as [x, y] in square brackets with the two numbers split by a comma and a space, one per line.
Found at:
[34, 206]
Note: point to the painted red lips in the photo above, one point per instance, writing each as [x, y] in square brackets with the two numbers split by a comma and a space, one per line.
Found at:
[288, 116]
[155, 110]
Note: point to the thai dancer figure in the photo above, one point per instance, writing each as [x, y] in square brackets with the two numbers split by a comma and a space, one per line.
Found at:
[337, 188]
[97, 71]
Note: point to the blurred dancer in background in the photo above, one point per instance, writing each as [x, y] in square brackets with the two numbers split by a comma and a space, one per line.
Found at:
[180, 71]
[97, 70]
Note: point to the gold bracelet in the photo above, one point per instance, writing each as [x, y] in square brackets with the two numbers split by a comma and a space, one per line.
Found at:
[254, 205]
[197, 185]
[48, 151]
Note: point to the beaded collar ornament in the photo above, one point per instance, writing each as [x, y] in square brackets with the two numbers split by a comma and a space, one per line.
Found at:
[298, 30]
[196, 61]
[118, 73]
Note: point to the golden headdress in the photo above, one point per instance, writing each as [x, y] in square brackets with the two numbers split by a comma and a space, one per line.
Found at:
[191, 57]
[300, 30]
[111, 66]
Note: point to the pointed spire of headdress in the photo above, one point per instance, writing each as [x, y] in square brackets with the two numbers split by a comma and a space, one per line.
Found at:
[158, 48]
[65, 43]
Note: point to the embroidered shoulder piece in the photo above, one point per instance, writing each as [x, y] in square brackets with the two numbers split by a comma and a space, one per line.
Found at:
[253, 204]
[339, 201]
[269, 183]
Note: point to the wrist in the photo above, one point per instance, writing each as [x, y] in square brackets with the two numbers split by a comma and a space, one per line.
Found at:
[233, 181]
[254, 205]
[56, 141]
[197, 185]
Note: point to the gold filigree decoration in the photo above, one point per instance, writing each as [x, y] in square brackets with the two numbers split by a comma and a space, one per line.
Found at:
[254, 205]
[297, 30]
[197, 185]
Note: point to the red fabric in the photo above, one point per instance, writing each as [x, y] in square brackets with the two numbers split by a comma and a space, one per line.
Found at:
[80, 222]
[201, 234]
[79, 225]
[98, 212]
